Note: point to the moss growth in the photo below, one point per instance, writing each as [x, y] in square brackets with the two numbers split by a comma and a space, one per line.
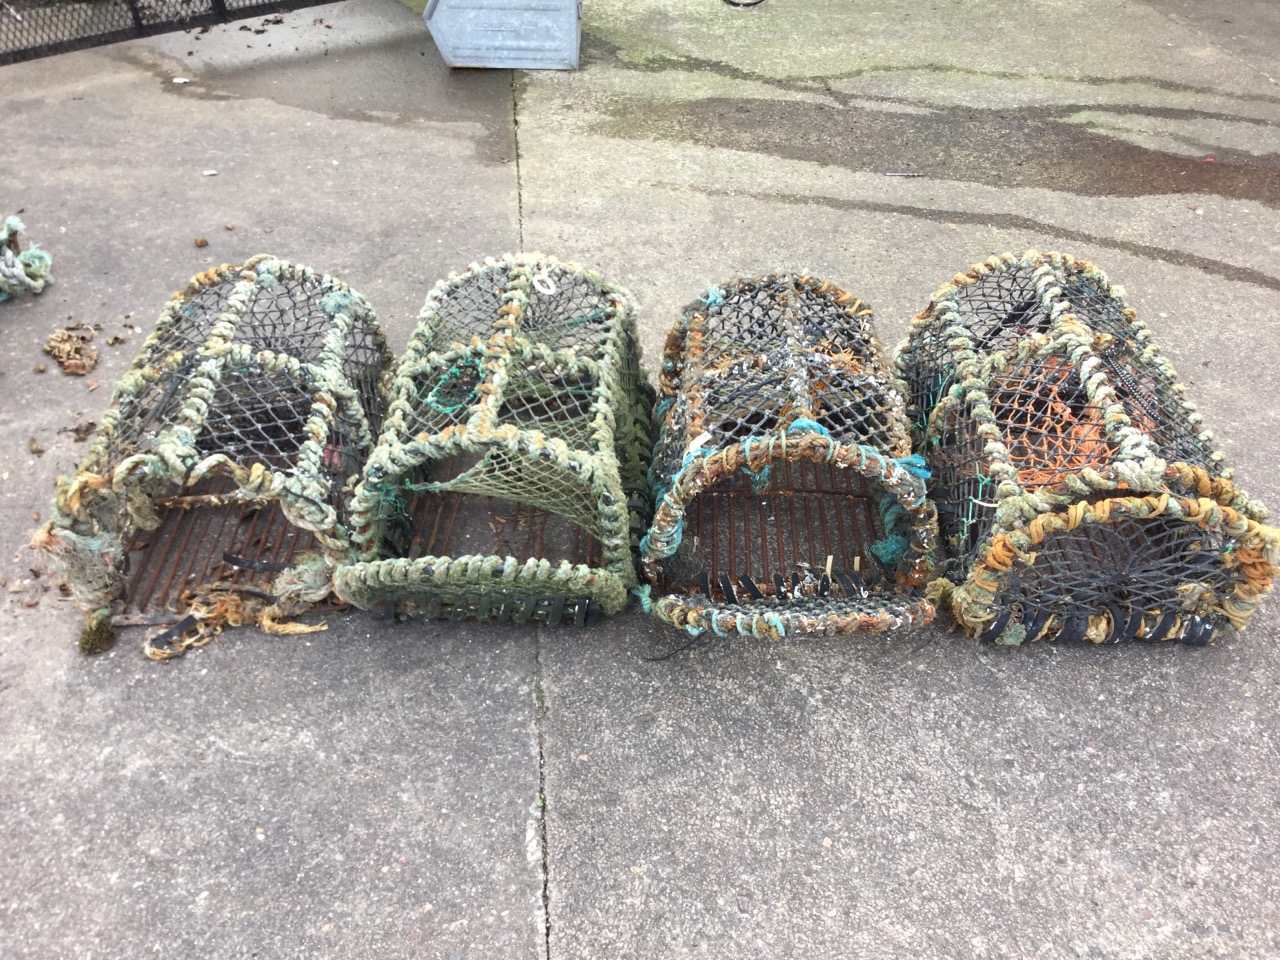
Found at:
[98, 635]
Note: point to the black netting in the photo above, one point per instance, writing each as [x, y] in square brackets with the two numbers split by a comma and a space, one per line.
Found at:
[442, 395]
[567, 310]
[557, 403]
[855, 408]
[996, 311]
[285, 318]
[777, 310]
[363, 365]
[257, 416]
[1133, 576]
[1149, 391]
[143, 416]
[960, 488]
[198, 312]
[1049, 426]
[467, 307]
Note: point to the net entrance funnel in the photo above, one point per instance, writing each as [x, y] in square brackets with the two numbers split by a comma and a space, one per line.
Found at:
[219, 479]
[1077, 490]
[508, 480]
[787, 499]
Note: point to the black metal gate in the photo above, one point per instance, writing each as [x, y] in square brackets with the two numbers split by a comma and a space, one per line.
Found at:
[38, 28]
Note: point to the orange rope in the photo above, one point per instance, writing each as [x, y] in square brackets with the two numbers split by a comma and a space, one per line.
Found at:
[1052, 441]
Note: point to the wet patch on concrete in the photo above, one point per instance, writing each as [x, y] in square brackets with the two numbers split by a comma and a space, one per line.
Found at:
[1030, 147]
[322, 83]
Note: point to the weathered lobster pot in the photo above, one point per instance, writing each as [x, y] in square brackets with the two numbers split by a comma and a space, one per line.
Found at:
[508, 480]
[1077, 490]
[219, 479]
[787, 499]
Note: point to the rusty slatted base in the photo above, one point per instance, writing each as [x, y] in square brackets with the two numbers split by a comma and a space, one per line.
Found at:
[808, 533]
[461, 524]
[186, 551]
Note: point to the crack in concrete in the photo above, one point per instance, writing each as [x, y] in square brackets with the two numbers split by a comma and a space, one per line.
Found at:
[1218, 268]
[540, 716]
[515, 146]
[599, 50]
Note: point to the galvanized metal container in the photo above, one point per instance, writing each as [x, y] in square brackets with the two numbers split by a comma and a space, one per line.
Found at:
[507, 34]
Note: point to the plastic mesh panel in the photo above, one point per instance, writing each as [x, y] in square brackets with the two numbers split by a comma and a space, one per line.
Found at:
[787, 497]
[1076, 488]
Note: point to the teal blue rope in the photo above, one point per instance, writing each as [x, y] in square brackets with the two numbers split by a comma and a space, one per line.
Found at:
[805, 425]
[915, 466]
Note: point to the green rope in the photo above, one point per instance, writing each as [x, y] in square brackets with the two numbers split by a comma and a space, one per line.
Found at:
[21, 271]
[465, 375]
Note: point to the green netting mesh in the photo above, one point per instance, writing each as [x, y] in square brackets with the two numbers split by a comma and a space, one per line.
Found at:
[787, 499]
[1076, 488]
[260, 389]
[508, 481]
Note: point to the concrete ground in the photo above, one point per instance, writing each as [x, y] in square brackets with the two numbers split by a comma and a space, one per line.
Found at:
[445, 790]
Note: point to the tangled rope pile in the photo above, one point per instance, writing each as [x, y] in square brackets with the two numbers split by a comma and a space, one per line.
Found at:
[21, 271]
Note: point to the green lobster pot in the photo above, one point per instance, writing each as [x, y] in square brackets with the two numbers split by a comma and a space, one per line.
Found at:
[1077, 490]
[219, 480]
[787, 499]
[508, 480]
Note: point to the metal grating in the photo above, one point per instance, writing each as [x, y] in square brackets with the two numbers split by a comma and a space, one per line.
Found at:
[30, 29]
[188, 550]
[808, 534]
[457, 524]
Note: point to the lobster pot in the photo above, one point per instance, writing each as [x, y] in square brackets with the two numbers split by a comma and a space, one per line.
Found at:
[787, 499]
[508, 480]
[231, 447]
[1077, 491]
